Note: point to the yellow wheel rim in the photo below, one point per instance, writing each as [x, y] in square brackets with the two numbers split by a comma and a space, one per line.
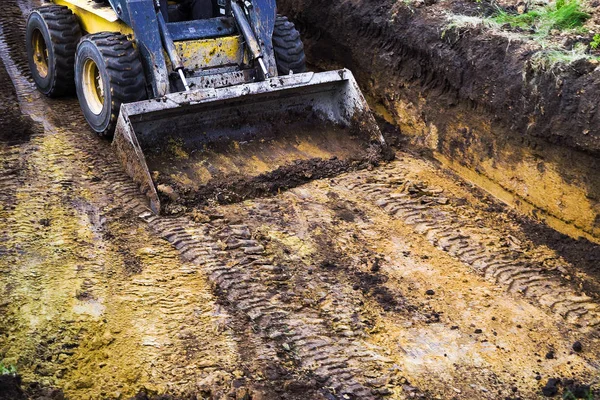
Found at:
[93, 87]
[40, 53]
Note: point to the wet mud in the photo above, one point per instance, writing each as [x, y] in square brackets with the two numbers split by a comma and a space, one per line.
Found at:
[395, 281]
[237, 188]
[337, 232]
[15, 128]
[191, 171]
[11, 388]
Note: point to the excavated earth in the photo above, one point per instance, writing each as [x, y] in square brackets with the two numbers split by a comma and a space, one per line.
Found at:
[487, 102]
[401, 280]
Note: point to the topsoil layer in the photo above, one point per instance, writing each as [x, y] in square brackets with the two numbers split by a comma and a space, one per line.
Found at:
[412, 51]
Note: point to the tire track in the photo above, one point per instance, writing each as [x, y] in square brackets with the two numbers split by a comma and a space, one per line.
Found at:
[382, 270]
[275, 326]
[487, 251]
[242, 275]
[248, 281]
[64, 204]
[252, 282]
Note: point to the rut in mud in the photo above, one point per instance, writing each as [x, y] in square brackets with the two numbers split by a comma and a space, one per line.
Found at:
[396, 281]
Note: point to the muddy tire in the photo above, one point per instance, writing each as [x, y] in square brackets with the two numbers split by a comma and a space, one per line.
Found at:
[288, 47]
[51, 40]
[108, 73]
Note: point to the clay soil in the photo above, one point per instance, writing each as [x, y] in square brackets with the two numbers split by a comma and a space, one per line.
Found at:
[393, 281]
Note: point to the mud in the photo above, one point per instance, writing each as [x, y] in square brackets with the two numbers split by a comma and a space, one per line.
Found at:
[235, 189]
[14, 127]
[395, 281]
[529, 135]
[192, 172]
[11, 389]
[582, 253]
[305, 226]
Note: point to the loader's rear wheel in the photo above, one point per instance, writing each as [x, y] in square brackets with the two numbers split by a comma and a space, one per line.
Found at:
[288, 47]
[51, 39]
[108, 73]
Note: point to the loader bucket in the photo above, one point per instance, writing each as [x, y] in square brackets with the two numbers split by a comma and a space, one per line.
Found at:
[203, 143]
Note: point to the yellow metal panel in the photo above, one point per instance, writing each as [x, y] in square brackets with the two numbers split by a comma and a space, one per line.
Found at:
[207, 53]
[94, 18]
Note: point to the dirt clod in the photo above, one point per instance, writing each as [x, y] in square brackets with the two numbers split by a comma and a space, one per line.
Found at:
[550, 389]
[10, 387]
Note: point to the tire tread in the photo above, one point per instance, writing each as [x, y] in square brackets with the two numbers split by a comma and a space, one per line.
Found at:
[288, 47]
[125, 72]
[65, 32]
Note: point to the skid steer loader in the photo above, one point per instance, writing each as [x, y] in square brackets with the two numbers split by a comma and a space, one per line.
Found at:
[194, 104]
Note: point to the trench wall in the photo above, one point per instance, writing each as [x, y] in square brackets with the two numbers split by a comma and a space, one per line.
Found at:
[478, 101]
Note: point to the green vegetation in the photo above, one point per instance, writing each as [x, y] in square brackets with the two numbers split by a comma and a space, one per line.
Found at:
[568, 395]
[595, 41]
[463, 21]
[562, 15]
[546, 60]
[7, 370]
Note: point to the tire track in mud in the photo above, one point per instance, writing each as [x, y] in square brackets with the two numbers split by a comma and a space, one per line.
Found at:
[385, 268]
[263, 291]
[315, 350]
[12, 21]
[488, 251]
[243, 277]
[338, 365]
[68, 259]
[10, 175]
[73, 266]
[79, 261]
[16, 128]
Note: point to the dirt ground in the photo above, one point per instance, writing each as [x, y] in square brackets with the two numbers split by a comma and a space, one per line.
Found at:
[395, 281]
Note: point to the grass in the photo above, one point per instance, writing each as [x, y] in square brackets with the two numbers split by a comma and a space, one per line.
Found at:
[546, 60]
[595, 41]
[568, 395]
[7, 370]
[464, 21]
[563, 15]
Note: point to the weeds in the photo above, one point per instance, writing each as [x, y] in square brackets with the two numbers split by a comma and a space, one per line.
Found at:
[564, 14]
[462, 21]
[595, 41]
[547, 60]
[7, 370]
[561, 15]
[568, 395]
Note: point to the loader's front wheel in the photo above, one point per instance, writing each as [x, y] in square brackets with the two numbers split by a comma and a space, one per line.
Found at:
[108, 73]
[51, 39]
[288, 47]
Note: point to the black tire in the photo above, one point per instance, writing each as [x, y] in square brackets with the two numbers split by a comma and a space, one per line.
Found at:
[288, 47]
[108, 73]
[51, 40]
